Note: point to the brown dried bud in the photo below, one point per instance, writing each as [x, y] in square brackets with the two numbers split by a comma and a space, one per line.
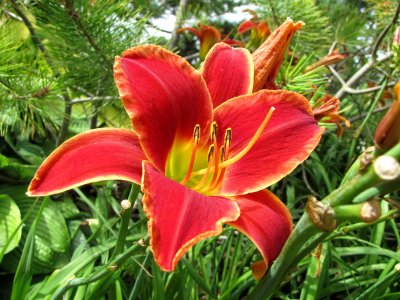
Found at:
[370, 211]
[366, 157]
[322, 215]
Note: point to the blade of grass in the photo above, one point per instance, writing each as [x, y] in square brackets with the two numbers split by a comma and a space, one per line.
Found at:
[23, 275]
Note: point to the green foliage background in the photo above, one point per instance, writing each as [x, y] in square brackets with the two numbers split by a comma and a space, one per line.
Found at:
[56, 80]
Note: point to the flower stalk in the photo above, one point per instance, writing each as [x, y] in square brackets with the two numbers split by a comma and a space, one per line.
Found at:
[125, 218]
[306, 230]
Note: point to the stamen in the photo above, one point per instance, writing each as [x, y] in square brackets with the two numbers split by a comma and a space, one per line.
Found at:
[253, 140]
[214, 137]
[214, 132]
[246, 149]
[228, 137]
[205, 176]
[196, 139]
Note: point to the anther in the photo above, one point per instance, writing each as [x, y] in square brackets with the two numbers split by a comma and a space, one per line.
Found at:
[196, 133]
[230, 161]
[214, 132]
[228, 137]
[210, 152]
[196, 139]
[222, 156]
[253, 140]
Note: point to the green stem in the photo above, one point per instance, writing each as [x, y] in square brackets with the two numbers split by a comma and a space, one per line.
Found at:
[305, 230]
[125, 218]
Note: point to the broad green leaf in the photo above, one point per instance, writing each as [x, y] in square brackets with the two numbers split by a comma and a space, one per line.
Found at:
[23, 275]
[10, 219]
[15, 170]
[51, 235]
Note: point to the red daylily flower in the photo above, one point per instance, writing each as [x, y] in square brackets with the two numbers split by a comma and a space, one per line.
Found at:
[209, 36]
[203, 149]
[259, 29]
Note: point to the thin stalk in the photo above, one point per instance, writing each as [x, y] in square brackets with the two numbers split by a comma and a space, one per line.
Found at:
[36, 40]
[66, 120]
[105, 271]
[359, 130]
[125, 218]
[180, 15]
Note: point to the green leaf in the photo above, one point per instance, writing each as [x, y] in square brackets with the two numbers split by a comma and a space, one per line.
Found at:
[10, 220]
[51, 235]
[16, 170]
[23, 276]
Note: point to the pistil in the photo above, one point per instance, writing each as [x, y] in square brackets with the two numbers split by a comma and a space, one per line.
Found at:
[196, 139]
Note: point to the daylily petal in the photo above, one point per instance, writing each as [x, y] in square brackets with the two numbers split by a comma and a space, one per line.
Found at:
[288, 139]
[228, 72]
[267, 222]
[164, 96]
[180, 217]
[245, 26]
[99, 154]
[269, 56]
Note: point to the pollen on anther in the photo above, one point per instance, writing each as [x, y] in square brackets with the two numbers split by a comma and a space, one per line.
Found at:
[196, 133]
[228, 137]
[214, 131]
[210, 152]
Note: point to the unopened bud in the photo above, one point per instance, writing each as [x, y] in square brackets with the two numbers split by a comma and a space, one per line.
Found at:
[397, 268]
[322, 215]
[141, 242]
[387, 167]
[126, 204]
[387, 134]
[370, 211]
[396, 37]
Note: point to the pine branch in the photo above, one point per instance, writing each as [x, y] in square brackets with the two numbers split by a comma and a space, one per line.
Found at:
[69, 6]
[37, 41]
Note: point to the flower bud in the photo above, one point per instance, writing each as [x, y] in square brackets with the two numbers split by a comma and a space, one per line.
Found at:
[126, 204]
[387, 133]
[396, 37]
